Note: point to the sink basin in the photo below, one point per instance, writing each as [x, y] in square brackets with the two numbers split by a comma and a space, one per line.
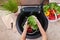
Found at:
[22, 17]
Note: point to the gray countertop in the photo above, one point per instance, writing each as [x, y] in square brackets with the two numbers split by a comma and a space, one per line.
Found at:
[53, 31]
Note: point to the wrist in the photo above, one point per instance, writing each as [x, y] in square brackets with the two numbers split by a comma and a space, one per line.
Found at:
[24, 32]
[25, 29]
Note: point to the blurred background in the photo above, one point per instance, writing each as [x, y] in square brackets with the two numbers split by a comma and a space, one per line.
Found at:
[18, 1]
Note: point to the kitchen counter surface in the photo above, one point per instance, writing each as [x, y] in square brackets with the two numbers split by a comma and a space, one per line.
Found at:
[53, 31]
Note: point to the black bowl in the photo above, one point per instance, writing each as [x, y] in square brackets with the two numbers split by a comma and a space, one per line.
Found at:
[21, 19]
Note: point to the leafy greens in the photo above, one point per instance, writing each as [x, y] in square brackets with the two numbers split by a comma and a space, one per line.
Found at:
[32, 22]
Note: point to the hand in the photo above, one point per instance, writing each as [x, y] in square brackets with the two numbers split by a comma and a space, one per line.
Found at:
[26, 25]
[23, 37]
[37, 21]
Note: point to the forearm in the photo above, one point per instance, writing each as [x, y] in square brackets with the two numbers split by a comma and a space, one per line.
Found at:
[23, 37]
[43, 33]
[41, 29]
[44, 37]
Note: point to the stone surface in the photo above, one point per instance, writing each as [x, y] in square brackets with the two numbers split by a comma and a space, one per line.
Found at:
[53, 31]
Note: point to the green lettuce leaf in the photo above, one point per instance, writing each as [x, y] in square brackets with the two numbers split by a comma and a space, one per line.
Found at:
[32, 22]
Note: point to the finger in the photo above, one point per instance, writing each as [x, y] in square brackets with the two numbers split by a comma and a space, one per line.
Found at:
[35, 18]
[26, 22]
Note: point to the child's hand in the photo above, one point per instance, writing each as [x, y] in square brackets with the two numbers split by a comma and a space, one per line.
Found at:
[26, 25]
[37, 21]
[23, 37]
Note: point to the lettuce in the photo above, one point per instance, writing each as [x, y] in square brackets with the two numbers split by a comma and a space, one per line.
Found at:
[32, 22]
[46, 7]
[53, 5]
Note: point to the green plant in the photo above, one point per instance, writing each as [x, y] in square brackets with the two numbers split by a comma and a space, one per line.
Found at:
[32, 22]
[11, 5]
